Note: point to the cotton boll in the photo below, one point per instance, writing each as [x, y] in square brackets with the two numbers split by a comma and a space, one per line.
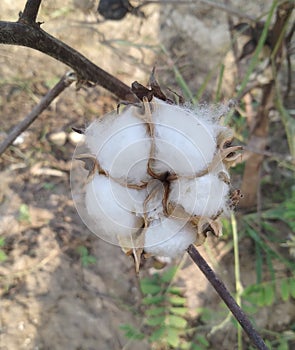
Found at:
[202, 196]
[183, 142]
[158, 177]
[121, 145]
[168, 237]
[112, 208]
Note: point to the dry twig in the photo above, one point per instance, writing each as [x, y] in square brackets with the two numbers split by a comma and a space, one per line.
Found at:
[64, 82]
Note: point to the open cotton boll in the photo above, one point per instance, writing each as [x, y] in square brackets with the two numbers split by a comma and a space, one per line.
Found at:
[158, 175]
[121, 145]
[168, 237]
[183, 142]
[202, 196]
[110, 207]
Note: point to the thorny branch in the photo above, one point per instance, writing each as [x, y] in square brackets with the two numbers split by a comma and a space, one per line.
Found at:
[29, 34]
[227, 298]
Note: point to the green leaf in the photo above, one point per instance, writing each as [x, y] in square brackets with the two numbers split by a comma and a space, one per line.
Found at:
[153, 300]
[287, 120]
[174, 290]
[285, 290]
[155, 321]
[176, 300]
[185, 345]
[156, 311]
[255, 294]
[197, 347]
[130, 332]
[149, 287]
[206, 314]
[158, 334]
[269, 295]
[48, 186]
[268, 344]
[88, 260]
[283, 344]
[267, 226]
[2, 241]
[24, 213]
[82, 250]
[258, 262]
[270, 267]
[172, 337]
[292, 287]
[250, 309]
[202, 340]
[168, 275]
[176, 321]
[261, 298]
[3, 256]
[180, 311]
[253, 234]
[85, 257]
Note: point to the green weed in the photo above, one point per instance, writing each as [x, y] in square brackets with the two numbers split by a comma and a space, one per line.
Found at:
[3, 255]
[165, 316]
[24, 213]
[85, 258]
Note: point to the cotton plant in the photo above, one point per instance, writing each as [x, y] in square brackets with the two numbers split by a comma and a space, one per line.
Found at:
[158, 176]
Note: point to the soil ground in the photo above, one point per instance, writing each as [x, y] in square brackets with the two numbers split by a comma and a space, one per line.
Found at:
[49, 300]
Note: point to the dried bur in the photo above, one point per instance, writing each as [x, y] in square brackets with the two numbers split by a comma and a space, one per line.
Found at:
[158, 174]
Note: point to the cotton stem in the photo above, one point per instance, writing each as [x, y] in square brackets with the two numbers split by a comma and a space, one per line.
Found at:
[239, 287]
[227, 298]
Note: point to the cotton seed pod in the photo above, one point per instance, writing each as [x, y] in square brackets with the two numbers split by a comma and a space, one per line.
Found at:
[157, 177]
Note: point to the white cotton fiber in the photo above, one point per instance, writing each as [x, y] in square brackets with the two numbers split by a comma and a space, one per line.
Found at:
[203, 196]
[185, 144]
[112, 208]
[168, 237]
[121, 145]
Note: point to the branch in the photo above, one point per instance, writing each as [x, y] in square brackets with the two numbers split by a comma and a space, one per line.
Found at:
[33, 36]
[227, 298]
[64, 82]
[30, 12]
